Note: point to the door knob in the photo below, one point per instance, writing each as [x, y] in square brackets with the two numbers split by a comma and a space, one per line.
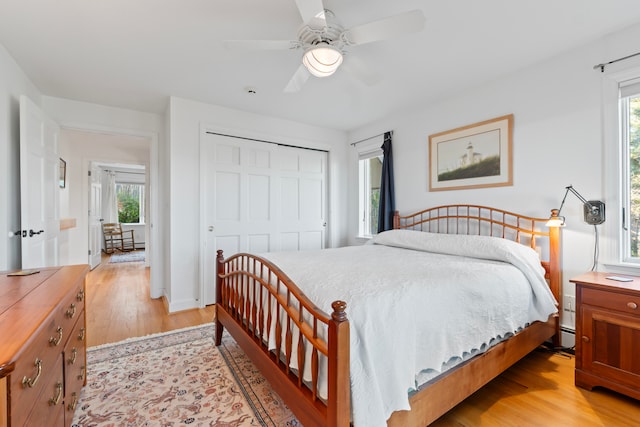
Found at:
[211, 227]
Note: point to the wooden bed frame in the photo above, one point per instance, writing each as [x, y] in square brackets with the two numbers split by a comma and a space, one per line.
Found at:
[252, 293]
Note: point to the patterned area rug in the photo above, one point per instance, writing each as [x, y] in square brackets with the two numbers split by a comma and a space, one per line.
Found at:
[127, 257]
[177, 378]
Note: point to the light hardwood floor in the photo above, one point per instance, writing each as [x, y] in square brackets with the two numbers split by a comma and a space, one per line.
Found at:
[537, 391]
[119, 306]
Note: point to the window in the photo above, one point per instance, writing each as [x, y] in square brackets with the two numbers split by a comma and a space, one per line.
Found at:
[621, 128]
[369, 179]
[629, 120]
[130, 203]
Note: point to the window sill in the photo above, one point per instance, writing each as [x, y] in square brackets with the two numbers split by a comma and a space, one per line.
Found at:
[622, 268]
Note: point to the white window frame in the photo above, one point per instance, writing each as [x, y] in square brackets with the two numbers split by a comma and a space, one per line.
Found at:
[141, 200]
[633, 90]
[366, 151]
[614, 251]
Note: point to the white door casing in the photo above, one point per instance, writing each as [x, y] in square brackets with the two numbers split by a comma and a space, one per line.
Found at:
[259, 197]
[95, 216]
[39, 186]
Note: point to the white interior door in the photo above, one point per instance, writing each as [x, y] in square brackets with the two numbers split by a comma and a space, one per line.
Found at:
[259, 197]
[39, 186]
[302, 215]
[95, 216]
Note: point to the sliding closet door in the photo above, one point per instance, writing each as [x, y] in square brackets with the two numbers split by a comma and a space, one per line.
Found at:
[259, 197]
[303, 199]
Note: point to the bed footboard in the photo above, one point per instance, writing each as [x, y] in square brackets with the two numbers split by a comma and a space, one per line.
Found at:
[297, 346]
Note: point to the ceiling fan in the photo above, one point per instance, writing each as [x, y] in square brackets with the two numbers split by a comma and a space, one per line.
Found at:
[324, 41]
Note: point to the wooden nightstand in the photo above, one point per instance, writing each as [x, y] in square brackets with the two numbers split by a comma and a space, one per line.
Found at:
[608, 333]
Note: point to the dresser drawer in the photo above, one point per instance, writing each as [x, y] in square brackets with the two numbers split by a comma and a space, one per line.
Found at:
[48, 409]
[611, 300]
[38, 364]
[75, 365]
[70, 308]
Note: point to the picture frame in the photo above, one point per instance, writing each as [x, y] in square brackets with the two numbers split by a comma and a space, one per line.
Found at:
[473, 156]
[62, 174]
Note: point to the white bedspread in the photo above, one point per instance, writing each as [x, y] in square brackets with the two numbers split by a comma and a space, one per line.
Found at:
[445, 296]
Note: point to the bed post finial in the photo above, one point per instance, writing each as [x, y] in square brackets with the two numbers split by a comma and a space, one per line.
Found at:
[396, 220]
[339, 308]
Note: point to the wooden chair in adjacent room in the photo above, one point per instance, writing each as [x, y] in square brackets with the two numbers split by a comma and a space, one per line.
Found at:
[116, 238]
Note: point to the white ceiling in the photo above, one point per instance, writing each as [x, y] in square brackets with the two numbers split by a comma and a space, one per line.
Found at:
[136, 53]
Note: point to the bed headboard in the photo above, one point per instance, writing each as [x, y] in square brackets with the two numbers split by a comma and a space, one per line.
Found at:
[488, 221]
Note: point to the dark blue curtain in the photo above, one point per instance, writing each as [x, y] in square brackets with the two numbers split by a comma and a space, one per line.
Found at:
[387, 192]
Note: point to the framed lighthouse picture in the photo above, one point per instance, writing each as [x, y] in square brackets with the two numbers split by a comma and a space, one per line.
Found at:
[473, 156]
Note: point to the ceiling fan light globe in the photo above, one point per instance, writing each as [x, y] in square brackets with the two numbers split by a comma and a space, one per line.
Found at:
[322, 61]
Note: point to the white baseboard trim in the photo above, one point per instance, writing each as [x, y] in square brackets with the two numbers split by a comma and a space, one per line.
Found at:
[182, 305]
[567, 337]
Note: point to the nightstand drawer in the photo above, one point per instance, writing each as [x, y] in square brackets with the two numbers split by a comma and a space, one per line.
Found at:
[611, 300]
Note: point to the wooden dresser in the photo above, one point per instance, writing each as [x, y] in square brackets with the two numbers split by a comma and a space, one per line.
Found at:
[608, 333]
[42, 346]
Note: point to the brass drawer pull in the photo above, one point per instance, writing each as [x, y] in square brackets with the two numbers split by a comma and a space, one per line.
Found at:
[72, 405]
[74, 354]
[82, 372]
[55, 341]
[632, 305]
[585, 338]
[71, 312]
[56, 399]
[31, 382]
[81, 334]
[80, 296]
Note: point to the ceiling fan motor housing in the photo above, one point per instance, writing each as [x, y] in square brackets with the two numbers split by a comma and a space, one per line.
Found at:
[331, 34]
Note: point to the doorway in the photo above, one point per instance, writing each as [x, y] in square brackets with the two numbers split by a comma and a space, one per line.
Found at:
[82, 150]
[117, 194]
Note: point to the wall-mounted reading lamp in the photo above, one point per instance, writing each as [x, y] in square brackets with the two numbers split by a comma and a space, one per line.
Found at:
[593, 210]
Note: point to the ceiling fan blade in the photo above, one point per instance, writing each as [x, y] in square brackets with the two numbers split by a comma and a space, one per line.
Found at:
[298, 80]
[262, 44]
[409, 22]
[359, 70]
[312, 10]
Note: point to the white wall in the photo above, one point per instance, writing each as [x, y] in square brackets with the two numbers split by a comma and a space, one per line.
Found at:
[138, 234]
[557, 141]
[13, 83]
[187, 121]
